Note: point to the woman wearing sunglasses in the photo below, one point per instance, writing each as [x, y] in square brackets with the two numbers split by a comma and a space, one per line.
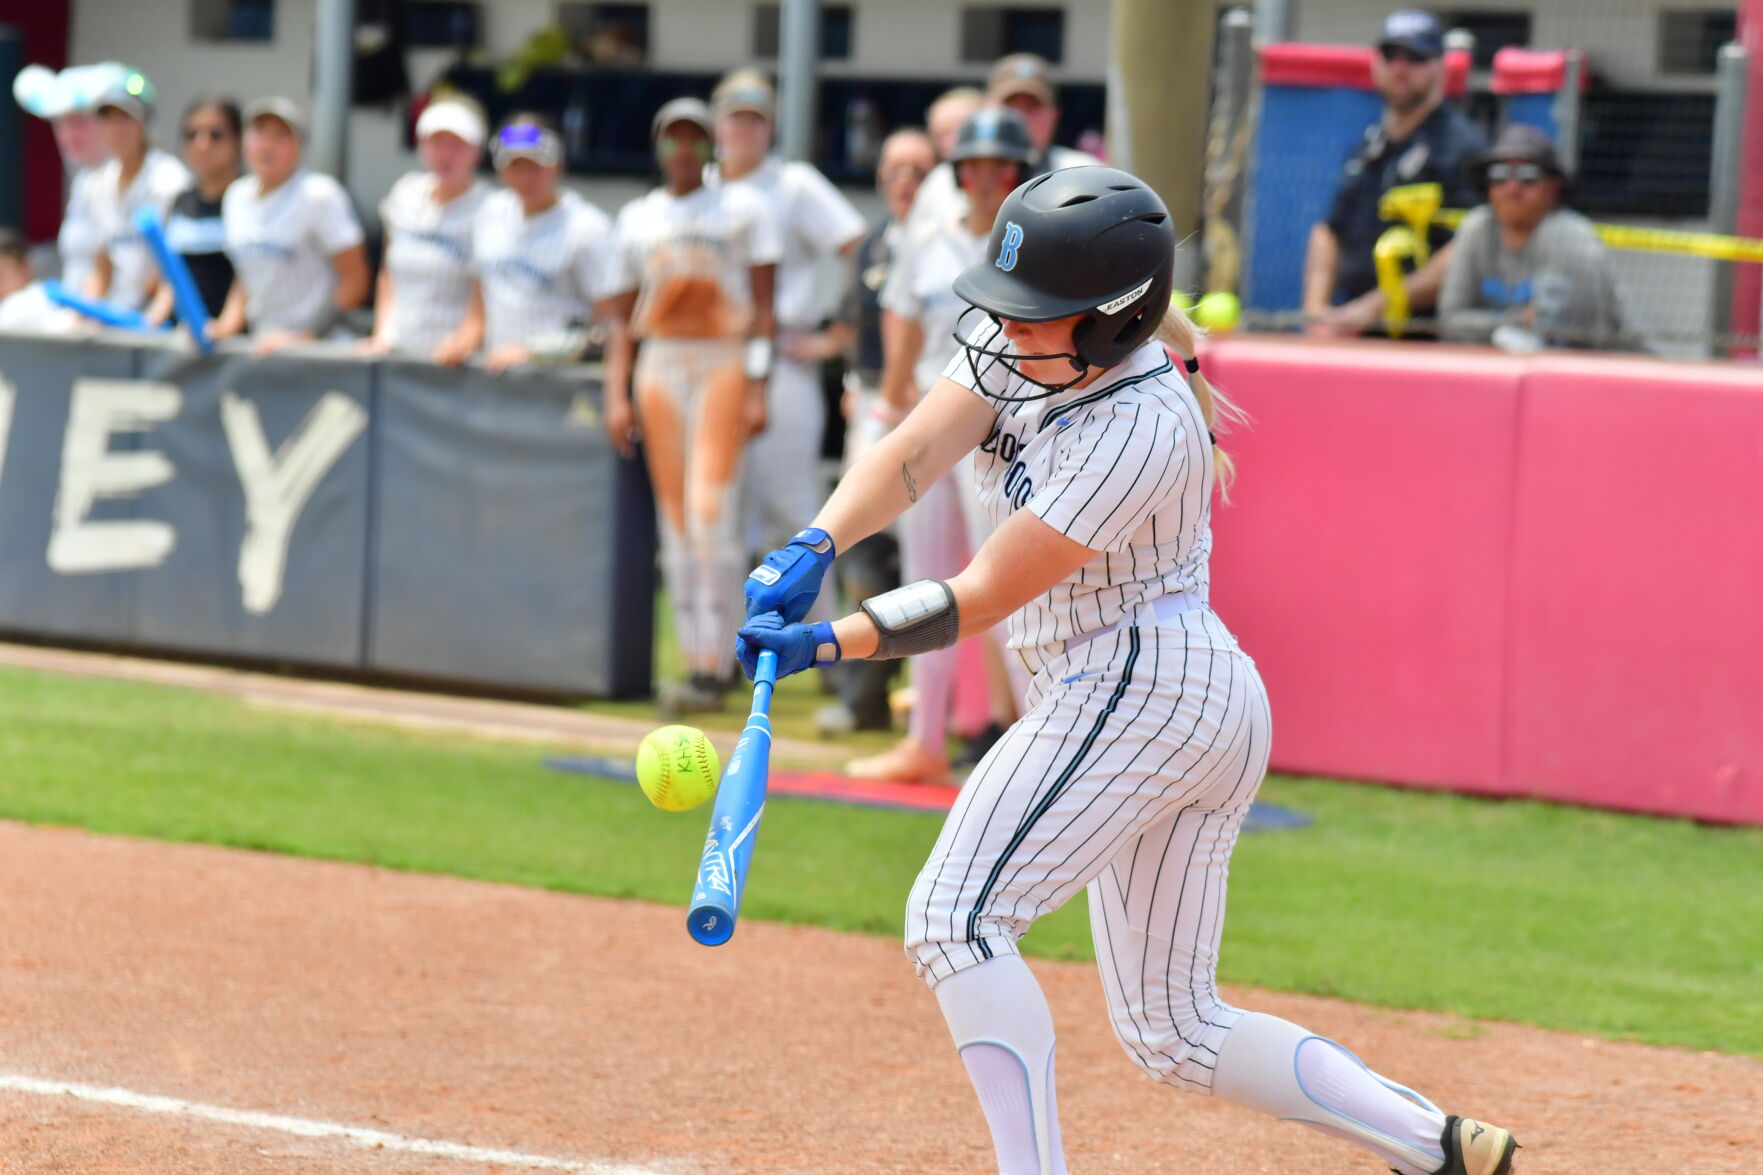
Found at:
[194, 230]
[541, 253]
[1528, 272]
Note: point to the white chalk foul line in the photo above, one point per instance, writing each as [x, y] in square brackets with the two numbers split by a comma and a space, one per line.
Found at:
[309, 1128]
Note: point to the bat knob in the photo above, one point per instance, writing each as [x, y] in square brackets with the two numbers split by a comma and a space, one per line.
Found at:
[710, 925]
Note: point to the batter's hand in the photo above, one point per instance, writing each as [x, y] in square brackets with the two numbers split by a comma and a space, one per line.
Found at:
[787, 580]
[798, 646]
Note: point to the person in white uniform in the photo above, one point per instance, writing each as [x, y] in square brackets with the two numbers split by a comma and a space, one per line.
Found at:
[816, 223]
[1023, 82]
[137, 176]
[937, 538]
[541, 253]
[427, 302]
[299, 263]
[24, 306]
[1148, 729]
[693, 278]
[69, 101]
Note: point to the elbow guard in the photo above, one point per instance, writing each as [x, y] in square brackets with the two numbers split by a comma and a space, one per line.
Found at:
[920, 617]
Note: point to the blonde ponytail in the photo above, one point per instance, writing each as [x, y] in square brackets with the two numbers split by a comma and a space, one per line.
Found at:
[1181, 335]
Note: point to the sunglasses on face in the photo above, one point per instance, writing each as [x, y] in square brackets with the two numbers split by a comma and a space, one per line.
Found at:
[1394, 53]
[1524, 173]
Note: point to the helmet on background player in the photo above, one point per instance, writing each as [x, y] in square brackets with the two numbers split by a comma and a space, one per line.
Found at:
[996, 132]
[1090, 241]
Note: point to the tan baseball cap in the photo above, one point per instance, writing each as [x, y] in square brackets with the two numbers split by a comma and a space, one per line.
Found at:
[284, 110]
[1021, 73]
[745, 89]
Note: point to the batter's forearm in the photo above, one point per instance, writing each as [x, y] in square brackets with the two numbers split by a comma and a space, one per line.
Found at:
[879, 487]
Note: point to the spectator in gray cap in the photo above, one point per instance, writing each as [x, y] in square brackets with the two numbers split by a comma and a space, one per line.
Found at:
[293, 237]
[1526, 270]
[137, 176]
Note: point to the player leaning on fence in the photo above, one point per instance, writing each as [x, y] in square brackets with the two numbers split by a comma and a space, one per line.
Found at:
[1421, 138]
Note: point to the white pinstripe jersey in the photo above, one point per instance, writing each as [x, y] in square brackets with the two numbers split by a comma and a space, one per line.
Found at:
[539, 274]
[1122, 466]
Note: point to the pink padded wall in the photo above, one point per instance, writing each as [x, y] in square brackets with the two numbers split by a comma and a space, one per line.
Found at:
[1637, 639]
[1363, 562]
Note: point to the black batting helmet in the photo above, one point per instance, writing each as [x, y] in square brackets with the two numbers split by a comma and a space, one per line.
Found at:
[1093, 241]
[994, 132]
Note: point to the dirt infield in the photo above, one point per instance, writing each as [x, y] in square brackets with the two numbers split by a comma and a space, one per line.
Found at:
[594, 1035]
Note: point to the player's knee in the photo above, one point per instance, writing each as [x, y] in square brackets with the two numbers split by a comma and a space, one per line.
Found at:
[1178, 1045]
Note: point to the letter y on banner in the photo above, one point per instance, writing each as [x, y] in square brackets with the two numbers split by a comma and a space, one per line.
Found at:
[277, 487]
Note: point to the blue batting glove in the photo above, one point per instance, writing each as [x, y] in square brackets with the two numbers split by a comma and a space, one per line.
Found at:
[798, 646]
[787, 580]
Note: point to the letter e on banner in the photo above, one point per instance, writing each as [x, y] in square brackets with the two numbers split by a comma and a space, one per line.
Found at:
[100, 409]
[277, 486]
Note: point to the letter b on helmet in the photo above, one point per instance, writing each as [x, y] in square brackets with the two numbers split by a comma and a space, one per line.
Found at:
[1008, 244]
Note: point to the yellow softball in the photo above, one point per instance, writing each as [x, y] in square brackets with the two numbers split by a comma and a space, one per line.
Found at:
[677, 767]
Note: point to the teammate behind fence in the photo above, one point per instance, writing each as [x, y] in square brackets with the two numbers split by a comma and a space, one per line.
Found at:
[816, 224]
[296, 245]
[938, 537]
[1148, 731]
[68, 100]
[137, 175]
[428, 303]
[195, 229]
[873, 565]
[693, 279]
[542, 254]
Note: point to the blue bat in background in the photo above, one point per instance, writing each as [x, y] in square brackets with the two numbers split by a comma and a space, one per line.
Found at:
[734, 824]
[109, 313]
[192, 311]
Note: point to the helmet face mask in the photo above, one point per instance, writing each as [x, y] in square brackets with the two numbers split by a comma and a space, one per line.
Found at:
[1089, 243]
[1002, 354]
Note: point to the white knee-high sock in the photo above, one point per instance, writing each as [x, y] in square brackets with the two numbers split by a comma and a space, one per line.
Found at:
[1004, 1031]
[1274, 1066]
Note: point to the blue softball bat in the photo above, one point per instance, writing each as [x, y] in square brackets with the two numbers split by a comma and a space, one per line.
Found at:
[109, 313]
[192, 311]
[734, 824]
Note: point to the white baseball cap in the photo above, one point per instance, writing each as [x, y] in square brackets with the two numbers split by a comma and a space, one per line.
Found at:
[453, 118]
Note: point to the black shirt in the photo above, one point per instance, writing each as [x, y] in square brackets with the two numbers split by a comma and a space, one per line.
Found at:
[1434, 153]
[862, 309]
[195, 233]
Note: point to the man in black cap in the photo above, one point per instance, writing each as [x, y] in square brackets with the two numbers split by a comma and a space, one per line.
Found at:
[1419, 139]
[1525, 271]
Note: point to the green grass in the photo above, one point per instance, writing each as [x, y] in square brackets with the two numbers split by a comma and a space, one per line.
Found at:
[1617, 925]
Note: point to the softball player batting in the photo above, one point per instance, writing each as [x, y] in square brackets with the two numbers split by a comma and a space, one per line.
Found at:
[1147, 731]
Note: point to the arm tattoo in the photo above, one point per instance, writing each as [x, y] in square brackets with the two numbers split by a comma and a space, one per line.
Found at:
[911, 486]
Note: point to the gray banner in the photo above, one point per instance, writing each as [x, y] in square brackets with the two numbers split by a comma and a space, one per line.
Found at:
[85, 599]
[511, 544]
[270, 505]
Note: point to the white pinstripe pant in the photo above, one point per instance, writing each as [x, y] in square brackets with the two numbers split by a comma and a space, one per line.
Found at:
[1130, 774]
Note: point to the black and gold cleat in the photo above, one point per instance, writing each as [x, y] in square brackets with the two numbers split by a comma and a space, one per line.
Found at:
[1476, 1148]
